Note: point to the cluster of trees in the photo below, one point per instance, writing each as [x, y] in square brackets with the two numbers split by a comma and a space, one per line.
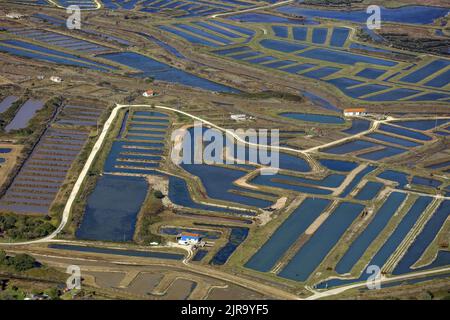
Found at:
[24, 227]
[404, 41]
[273, 94]
[20, 262]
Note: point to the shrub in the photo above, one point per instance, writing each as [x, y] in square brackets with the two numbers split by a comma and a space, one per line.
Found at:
[20, 262]
[158, 194]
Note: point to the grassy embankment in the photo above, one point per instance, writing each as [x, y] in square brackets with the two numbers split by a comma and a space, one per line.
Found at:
[90, 179]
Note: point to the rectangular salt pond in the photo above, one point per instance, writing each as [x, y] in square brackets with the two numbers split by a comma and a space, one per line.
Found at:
[311, 254]
[247, 32]
[150, 120]
[179, 194]
[119, 150]
[218, 188]
[282, 46]
[349, 147]
[279, 64]
[368, 235]
[428, 182]
[237, 236]
[205, 34]
[338, 165]
[369, 191]
[300, 33]
[7, 102]
[370, 73]
[359, 91]
[440, 81]
[164, 72]
[41, 49]
[356, 180]
[383, 153]
[144, 125]
[331, 181]
[199, 255]
[24, 115]
[298, 68]
[339, 36]
[188, 37]
[344, 57]
[394, 140]
[430, 97]
[261, 59]
[393, 95]
[280, 31]
[130, 253]
[320, 73]
[426, 71]
[134, 131]
[217, 29]
[127, 157]
[288, 183]
[404, 132]
[286, 234]
[44, 57]
[149, 114]
[199, 32]
[137, 164]
[358, 125]
[422, 124]
[245, 55]
[149, 138]
[232, 50]
[423, 240]
[319, 35]
[112, 209]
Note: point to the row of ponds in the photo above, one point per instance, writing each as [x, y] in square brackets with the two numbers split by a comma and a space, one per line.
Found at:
[108, 197]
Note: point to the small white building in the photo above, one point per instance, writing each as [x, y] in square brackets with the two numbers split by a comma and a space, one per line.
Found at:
[238, 117]
[14, 15]
[187, 238]
[354, 112]
[56, 79]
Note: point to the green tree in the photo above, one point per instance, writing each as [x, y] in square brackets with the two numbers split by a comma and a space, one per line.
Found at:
[158, 194]
[23, 262]
[53, 293]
